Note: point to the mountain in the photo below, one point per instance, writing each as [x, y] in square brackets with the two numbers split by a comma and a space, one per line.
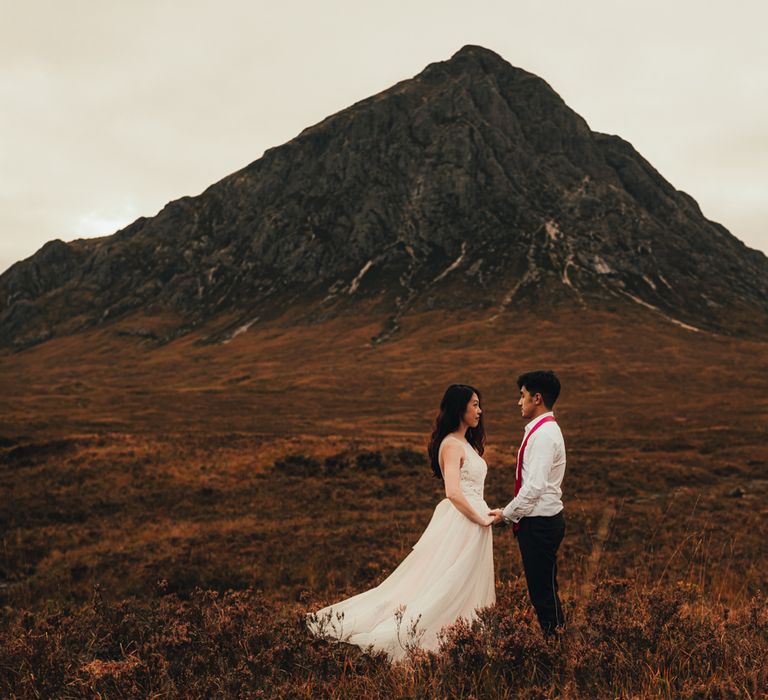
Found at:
[470, 186]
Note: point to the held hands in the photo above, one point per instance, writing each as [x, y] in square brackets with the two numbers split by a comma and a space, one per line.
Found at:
[497, 517]
[486, 522]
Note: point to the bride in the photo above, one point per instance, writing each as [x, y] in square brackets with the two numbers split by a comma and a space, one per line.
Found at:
[449, 571]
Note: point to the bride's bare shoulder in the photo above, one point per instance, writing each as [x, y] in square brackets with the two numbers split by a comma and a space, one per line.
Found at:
[451, 440]
[453, 446]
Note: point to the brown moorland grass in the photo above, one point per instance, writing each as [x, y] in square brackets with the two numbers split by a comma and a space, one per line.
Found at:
[286, 469]
[661, 642]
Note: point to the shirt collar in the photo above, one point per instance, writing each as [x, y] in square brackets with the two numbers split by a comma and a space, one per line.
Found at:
[537, 419]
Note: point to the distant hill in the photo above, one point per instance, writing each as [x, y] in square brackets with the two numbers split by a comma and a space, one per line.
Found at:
[471, 186]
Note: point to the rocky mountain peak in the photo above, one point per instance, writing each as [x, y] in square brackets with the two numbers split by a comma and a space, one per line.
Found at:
[471, 181]
[472, 57]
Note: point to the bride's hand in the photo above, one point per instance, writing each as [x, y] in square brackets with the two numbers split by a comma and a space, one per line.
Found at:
[497, 516]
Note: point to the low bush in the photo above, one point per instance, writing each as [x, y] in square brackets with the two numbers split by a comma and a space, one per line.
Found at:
[626, 642]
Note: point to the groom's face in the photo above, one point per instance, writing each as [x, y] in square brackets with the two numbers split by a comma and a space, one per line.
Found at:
[527, 403]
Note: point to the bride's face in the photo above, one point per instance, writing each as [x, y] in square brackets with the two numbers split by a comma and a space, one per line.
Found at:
[473, 412]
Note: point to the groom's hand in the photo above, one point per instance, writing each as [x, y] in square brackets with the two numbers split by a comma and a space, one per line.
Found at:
[497, 514]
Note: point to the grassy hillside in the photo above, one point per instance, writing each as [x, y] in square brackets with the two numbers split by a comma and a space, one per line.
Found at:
[168, 516]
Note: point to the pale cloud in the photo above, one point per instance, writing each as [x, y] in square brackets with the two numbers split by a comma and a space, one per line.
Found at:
[103, 222]
[110, 110]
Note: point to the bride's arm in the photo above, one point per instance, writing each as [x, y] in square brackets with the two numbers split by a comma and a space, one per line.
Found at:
[452, 455]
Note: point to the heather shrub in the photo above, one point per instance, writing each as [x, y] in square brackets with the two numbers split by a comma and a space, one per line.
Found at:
[621, 629]
[625, 642]
[412, 458]
[226, 645]
[335, 464]
[506, 637]
[297, 465]
[370, 460]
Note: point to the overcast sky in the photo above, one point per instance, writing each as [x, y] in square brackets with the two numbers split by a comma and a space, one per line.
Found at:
[110, 109]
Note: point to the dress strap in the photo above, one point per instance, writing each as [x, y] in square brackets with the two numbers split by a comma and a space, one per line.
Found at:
[440, 449]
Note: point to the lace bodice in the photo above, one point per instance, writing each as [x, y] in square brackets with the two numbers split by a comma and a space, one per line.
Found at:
[473, 470]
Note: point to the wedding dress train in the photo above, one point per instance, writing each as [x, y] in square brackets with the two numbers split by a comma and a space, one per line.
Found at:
[447, 575]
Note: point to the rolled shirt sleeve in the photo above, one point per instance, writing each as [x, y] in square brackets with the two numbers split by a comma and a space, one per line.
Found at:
[537, 461]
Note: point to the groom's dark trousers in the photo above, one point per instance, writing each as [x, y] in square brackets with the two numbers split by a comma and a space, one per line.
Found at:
[539, 538]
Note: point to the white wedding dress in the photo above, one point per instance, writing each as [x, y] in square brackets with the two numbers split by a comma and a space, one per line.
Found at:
[448, 574]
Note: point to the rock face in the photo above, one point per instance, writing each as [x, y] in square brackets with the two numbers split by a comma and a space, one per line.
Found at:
[471, 184]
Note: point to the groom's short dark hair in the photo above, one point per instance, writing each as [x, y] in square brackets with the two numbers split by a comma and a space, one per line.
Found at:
[543, 382]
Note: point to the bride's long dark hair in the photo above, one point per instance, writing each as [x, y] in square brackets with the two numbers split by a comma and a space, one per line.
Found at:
[452, 408]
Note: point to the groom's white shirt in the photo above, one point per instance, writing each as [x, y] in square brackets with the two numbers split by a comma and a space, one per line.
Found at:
[543, 471]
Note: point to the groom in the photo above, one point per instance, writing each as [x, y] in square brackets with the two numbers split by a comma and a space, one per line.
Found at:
[536, 511]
